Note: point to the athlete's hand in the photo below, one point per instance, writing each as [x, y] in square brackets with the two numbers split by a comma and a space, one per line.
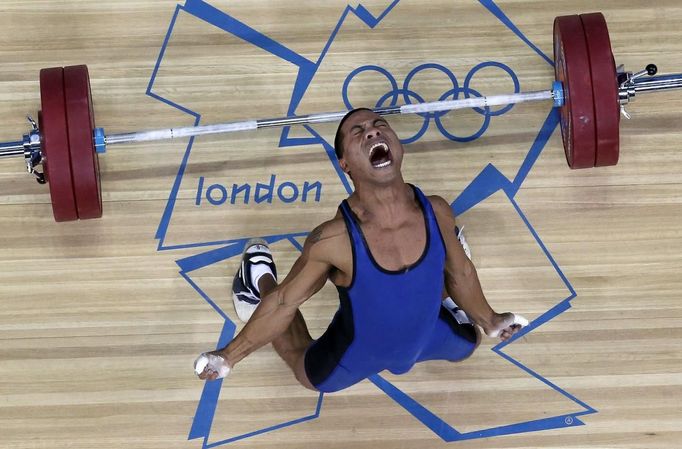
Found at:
[211, 366]
[505, 325]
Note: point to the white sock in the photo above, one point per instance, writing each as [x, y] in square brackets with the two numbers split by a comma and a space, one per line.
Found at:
[460, 315]
[449, 303]
[257, 272]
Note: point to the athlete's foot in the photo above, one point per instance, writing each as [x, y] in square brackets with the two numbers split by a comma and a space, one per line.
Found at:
[505, 325]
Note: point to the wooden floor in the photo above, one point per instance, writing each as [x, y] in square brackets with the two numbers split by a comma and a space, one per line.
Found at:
[101, 320]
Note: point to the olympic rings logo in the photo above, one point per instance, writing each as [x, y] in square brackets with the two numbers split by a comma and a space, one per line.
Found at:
[409, 96]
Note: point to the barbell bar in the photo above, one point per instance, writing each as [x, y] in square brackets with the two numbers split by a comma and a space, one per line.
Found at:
[589, 90]
[325, 117]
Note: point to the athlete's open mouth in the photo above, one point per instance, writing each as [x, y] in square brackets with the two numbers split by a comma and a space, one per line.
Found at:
[380, 155]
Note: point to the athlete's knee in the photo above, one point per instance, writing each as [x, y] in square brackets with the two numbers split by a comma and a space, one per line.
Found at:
[478, 336]
[303, 380]
[473, 343]
[301, 374]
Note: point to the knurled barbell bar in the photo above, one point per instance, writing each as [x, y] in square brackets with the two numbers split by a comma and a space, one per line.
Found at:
[589, 90]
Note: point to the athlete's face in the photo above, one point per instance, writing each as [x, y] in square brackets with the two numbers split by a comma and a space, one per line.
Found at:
[372, 150]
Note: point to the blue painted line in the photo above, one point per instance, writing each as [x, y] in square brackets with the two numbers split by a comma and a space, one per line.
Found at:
[489, 178]
[555, 422]
[489, 181]
[163, 225]
[296, 244]
[497, 12]
[194, 245]
[262, 431]
[203, 417]
[303, 80]
[209, 14]
[543, 247]
[286, 141]
[450, 434]
[175, 105]
[209, 399]
[210, 302]
[539, 321]
[270, 238]
[233, 248]
[424, 415]
[333, 34]
[307, 73]
[540, 142]
[307, 69]
[361, 13]
[486, 183]
[172, 197]
[162, 52]
[547, 316]
[192, 263]
[369, 19]
[318, 407]
[545, 381]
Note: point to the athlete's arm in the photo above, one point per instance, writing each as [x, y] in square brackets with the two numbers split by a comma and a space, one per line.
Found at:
[461, 279]
[278, 308]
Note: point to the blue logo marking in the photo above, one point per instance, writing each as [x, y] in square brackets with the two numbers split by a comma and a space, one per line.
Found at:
[488, 182]
[286, 192]
[405, 95]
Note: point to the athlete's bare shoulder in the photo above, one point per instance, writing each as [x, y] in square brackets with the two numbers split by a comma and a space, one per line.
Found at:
[329, 230]
[441, 207]
[329, 243]
[327, 237]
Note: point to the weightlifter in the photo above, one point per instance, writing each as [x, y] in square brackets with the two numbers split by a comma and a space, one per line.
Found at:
[393, 254]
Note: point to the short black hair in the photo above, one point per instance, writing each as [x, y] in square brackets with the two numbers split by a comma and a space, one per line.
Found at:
[338, 138]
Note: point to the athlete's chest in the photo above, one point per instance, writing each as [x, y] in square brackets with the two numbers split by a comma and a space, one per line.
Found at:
[397, 245]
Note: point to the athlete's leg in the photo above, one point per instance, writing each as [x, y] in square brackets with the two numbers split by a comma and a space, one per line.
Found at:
[256, 277]
[293, 343]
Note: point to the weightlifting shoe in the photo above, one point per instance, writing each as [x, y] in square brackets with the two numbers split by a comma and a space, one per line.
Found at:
[256, 261]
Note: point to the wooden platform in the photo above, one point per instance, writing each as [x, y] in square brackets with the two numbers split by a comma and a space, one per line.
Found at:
[100, 321]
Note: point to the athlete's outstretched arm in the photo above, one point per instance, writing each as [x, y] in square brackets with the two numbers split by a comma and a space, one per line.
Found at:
[278, 308]
[461, 280]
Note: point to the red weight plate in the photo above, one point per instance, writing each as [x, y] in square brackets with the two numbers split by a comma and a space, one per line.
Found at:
[572, 69]
[55, 144]
[604, 88]
[81, 124]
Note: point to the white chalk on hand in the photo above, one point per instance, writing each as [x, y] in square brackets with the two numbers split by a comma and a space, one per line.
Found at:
[518, 321]
[212, 362]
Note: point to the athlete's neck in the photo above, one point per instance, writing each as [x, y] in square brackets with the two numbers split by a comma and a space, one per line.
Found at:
[384, 201]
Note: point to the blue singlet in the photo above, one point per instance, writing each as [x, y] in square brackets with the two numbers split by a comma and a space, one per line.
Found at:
[388, 319]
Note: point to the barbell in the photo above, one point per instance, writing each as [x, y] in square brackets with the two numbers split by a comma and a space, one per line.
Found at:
[589, 90]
